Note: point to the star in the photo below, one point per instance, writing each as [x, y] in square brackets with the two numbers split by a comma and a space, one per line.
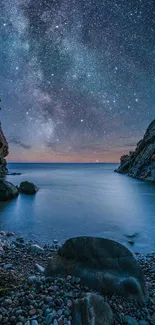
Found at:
[76, 76]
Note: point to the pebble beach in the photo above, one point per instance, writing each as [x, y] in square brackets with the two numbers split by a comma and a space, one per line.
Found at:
[28, 298]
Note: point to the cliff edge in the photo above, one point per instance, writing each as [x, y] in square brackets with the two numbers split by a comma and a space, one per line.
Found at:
[140, 163]
[4, 151]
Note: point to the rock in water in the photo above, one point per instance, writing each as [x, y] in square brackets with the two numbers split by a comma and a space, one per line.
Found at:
[91, 310]
[102, 264]
[4, 151]
[7, 191]
[27, 188]
[140, 163]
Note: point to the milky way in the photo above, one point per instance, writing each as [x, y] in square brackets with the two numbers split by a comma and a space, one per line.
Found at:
[77, 77]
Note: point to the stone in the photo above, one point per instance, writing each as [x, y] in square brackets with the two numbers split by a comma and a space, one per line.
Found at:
[102, 264]
[28, 323]
[55, 241]
[140, 164]
[32, 312]
[7, 302]
[7, 266]
[8, 191]
[27, 188]
[12, 319]
[39, 268]
[10, 234]
[91, 310]
[36, 249]
[50, 317]
[34, 322]
[130, 320]
[32, 278]
[55, 322]
[143, 322]
[19, 312]
[1, 251]
[2, 233]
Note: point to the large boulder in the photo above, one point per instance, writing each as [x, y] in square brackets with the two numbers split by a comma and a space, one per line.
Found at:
[27, 188]
[7, 191]
[140, 163]
[91, 310]
[102, 264]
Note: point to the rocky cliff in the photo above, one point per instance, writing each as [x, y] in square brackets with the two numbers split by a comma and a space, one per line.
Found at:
[141, 162]
[4, 151]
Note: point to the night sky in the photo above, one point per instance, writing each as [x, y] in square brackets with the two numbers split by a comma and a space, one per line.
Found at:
[77, 77]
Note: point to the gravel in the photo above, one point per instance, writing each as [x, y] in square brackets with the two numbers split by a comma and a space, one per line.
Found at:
[28, 298]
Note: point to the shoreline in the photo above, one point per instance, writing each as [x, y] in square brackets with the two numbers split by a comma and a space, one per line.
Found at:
[18, 267]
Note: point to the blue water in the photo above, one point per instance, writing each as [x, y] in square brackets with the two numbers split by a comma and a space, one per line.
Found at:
[81, 199]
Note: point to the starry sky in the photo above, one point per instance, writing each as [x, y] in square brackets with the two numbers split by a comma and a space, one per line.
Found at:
[77, 77]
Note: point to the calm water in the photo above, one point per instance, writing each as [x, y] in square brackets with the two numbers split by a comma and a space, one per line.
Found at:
[81, 199]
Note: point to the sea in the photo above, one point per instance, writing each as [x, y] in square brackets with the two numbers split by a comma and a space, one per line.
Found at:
[81, 199]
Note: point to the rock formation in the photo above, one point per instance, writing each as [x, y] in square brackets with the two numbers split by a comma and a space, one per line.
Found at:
[140, 163]
[102, 264]
[27, 188]
[4, 151]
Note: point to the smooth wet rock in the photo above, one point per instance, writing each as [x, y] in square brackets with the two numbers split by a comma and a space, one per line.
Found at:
[27, 188]
[101, 264]
[39, 268]
[8, 191]
[36, 249]
[91, 310]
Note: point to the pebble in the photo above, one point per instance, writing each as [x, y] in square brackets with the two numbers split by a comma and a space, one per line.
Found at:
[7, 266]
[55, 322]
[7, 302]
[32, 312]
[39, 268]
[34, 322]
[55, 241]
[50, 317]
[19, 312]
[143, 322]
[36, 249]
[130, 320]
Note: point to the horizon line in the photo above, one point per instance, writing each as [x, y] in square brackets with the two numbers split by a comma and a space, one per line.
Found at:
[63, 162]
